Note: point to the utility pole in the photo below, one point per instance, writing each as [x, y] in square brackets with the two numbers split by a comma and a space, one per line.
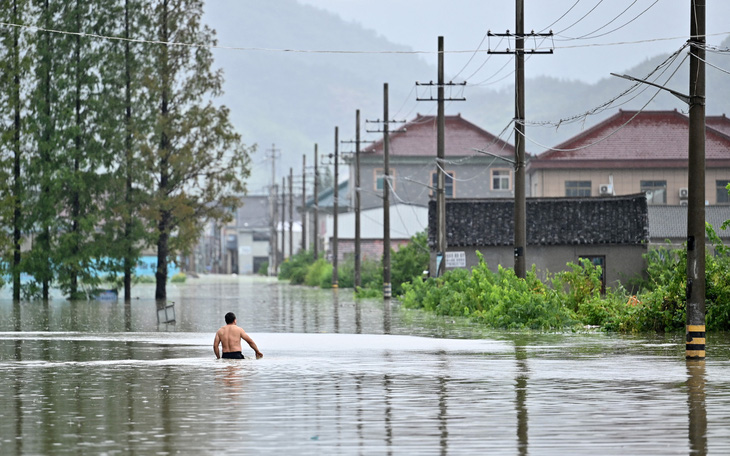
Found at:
[273, 196]
[441, 244]
[356, 204]
[283, 218]
[335, 215]
[386, 190]
[304, 203]
[316, 204]
[695, 331]
[291, 212]
[386, 197]
[520, 207]
[358, 260]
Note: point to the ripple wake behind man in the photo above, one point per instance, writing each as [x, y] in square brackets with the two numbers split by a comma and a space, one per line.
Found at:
[230, 336]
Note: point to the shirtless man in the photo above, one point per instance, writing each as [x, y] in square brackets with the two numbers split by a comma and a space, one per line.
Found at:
[230, 336]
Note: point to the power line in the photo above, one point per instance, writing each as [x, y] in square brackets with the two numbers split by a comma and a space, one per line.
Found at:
[581, 19]
[621, 127]
[610, 103]
[591, 34]
[324, 51]
[561, 17]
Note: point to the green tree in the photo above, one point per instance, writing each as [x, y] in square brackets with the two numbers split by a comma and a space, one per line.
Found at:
[193, 153]
[122, 125]
[83, 162]
[410, 261]
[43, 167]
[14, 66]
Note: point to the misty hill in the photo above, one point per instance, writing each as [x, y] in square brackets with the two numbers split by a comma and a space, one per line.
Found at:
[294, 99]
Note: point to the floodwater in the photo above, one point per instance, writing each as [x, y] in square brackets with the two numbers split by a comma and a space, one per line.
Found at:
[341, 376]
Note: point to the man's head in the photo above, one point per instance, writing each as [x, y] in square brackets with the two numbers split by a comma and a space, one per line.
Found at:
[230, 318]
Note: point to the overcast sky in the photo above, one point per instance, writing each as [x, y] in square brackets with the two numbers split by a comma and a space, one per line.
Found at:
[464, 23]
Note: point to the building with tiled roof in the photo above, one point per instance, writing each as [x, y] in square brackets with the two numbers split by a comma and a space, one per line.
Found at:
[668, 224]
[719, 123]
[612, 231]
[470, 174]
[631, 152]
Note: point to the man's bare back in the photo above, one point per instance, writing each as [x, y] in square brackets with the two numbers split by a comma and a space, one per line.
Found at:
[229, 336]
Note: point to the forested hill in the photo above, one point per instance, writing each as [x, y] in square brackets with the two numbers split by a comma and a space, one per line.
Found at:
[294, 99]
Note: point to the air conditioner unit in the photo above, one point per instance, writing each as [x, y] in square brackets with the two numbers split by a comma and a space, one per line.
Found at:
[683, 193]
[683, 203]
[605, 189]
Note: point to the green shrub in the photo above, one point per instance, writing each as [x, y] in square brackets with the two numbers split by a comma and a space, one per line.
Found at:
[264, 268]
[409, 262]
[180, 277]
[317, 273]
[295, 268]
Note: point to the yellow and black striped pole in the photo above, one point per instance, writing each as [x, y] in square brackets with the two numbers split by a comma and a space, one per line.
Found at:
[695, 342]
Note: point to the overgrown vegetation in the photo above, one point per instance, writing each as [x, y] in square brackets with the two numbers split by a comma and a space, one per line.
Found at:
[565, 300]
[574, 298]
[408, 262]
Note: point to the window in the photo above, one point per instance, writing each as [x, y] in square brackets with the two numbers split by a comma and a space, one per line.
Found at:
[656, 191]
[722, 191]
[599, 260]
[448, 183]
[577, 188]
[501, 179]
[379, 178]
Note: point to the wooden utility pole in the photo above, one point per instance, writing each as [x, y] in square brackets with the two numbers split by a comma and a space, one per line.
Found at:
[358, 260]
[386, 197]
[335, 208]
[304, 203]
[315, 231]
[291, 212]
[695, 331]
[520, 207]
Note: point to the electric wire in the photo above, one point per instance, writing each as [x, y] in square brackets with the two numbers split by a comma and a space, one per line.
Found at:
[473, 55]
[561, 17]
[324, 51]
[666, 64]
[591, 34]
[621, 127]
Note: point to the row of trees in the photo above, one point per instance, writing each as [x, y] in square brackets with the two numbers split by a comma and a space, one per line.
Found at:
[110, 139]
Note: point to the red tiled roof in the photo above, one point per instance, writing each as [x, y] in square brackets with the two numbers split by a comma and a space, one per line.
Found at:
[719, 123]
[461, 137]
[650, 135]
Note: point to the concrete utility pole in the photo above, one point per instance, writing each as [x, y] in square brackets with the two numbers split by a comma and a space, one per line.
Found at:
[440, 155]
[695, 331]
[520, 208]
[273, 196]
[335, 208]
[283, 218]
[441, 244]
[291, 212]
[356, 202]
[358, 260]
[520, 196]
[386, 197]
[316, 204]
[304, 203]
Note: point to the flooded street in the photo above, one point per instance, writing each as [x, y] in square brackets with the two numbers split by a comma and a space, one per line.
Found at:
[341, 376]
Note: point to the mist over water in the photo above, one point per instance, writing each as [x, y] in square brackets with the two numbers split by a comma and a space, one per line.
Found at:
[340, 376]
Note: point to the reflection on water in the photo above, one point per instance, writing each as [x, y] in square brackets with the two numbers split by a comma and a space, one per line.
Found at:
[341, 377]
[697, 407]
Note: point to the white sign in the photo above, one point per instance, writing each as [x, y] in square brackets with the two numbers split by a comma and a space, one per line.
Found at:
[455, 259]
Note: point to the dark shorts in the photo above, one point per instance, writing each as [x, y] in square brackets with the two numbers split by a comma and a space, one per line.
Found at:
[232, 355]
